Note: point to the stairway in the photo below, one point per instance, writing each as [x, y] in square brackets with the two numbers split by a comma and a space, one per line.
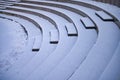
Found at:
[67, 40]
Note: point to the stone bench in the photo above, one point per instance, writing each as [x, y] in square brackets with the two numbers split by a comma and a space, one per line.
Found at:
[71, 30]
[54, 36]
[37, 43]
[87, 23]
[104, 16]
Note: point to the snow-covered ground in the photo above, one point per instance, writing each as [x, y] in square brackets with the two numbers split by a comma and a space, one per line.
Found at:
[12, 43]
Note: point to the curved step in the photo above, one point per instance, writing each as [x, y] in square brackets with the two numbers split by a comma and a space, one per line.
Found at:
[54, 5]
[43, 8]
[32, 12]
[69, 39]
[21, 16]
[52, 11]
[36, 14]
[60, 5]
[74, 57]
[111, 72]
[94, 5]
[89, 4]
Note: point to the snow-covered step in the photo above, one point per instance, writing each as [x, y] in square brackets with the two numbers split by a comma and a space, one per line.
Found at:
[55, 4]
[112, 70]
[98, 55]
[80, 9]
[110, 9]
[21, 16]
[37, 43]
[39, 58]
[39, 7]
[58, 11]
[54, 65]
[29, 27]
[104, 16]
[87, 23]
[86, 11]
[71, 30]
[63, 38]
[63, 48]
[43, 52]
[61, 5]
[32, 30]
[54, 34]
[54, 38]
[77, 55]
[77, 11]
[33, 11]
[98, 21]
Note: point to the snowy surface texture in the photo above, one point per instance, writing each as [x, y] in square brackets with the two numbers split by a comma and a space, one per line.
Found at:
[12, 41]
[52, 40]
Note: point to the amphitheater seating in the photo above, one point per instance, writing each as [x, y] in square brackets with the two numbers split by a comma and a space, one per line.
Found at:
[101, 7]
[74, 40]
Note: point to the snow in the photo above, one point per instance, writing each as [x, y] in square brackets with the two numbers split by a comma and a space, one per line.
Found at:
[112, 71]
[78, 53]
[92, 55]
[12, 35]
[114, 10]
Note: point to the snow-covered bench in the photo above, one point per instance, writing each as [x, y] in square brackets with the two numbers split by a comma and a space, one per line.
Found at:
[54, 36]
[104, 16]
[37, 43]
[87, 23]
[71, 30]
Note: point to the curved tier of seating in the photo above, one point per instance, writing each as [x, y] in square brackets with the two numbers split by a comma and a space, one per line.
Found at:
[44, 42]
[87, 40]
[79, 12]
[90, 4]
[66, 60]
